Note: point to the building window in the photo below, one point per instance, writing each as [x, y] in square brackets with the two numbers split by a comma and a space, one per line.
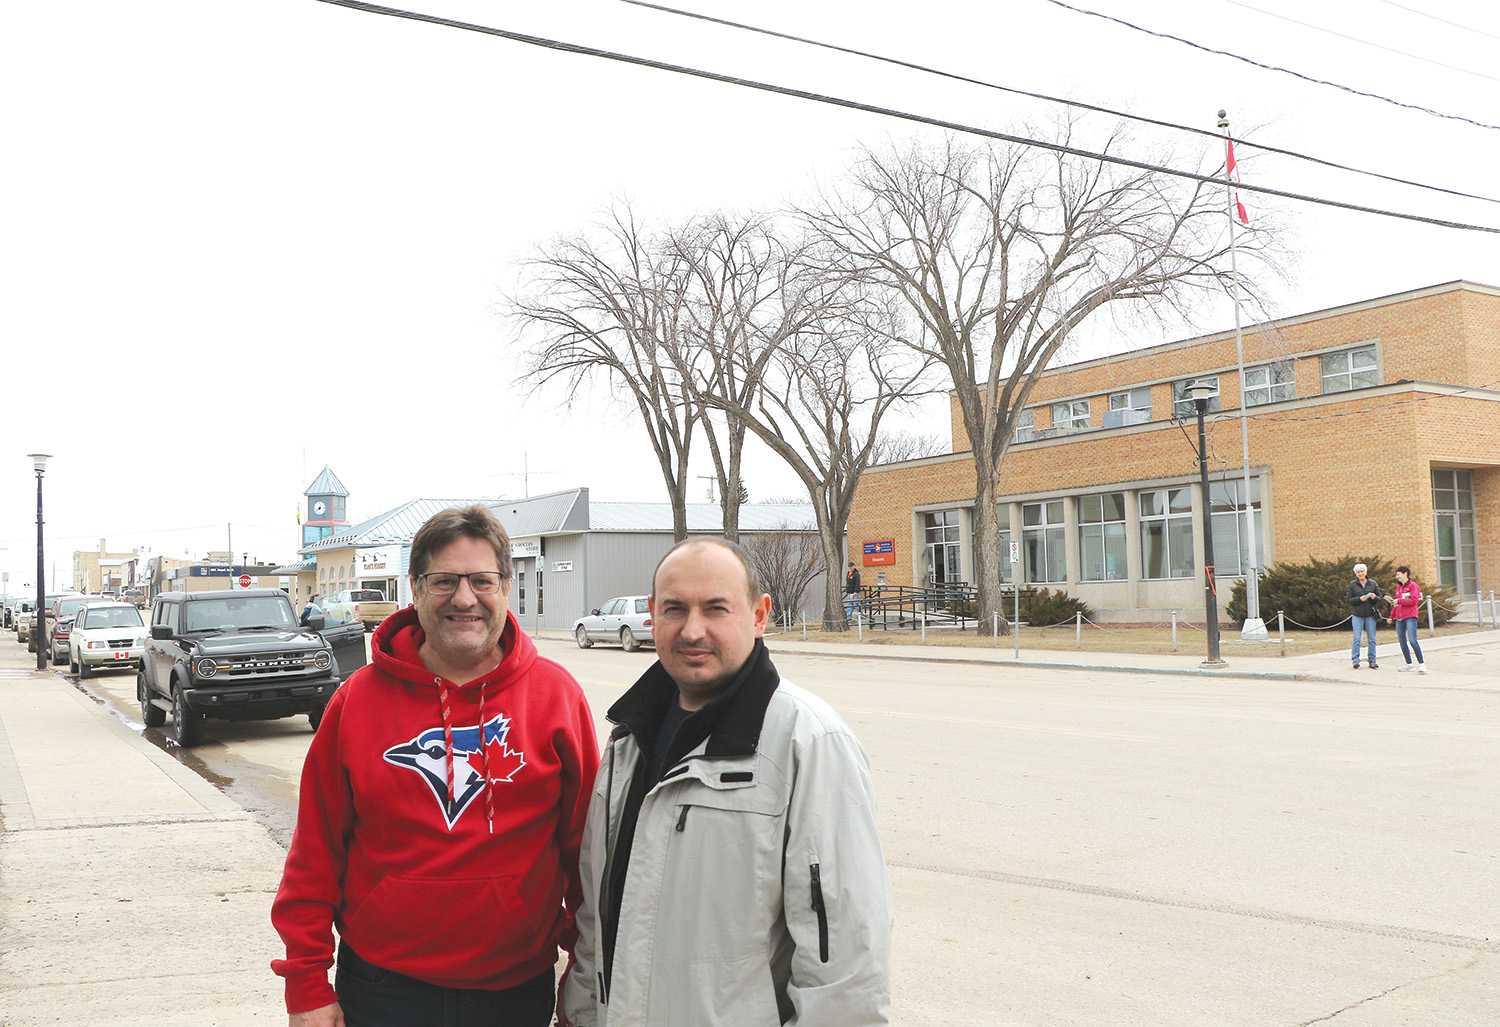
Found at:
[1002, 515]
[1350, 369]
[1232, 528]
[1167, 533]
[1101, 536]
[1453, 510]
[520, 591]
[1270, 383]
[941, 532]
[1042, 543]
[1070, 416]
[1025, 426]
[1182, 406]
[1132, 406]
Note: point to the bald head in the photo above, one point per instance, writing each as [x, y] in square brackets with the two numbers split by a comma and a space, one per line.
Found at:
[752, 586]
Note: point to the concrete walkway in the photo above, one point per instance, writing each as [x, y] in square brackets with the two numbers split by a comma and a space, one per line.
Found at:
[134, 893]
[1478, 667]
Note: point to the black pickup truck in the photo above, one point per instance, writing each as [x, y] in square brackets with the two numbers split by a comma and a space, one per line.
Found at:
[239, 655]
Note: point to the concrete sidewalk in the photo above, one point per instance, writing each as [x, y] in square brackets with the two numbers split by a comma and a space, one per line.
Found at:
[134, 892]
[1479, 668]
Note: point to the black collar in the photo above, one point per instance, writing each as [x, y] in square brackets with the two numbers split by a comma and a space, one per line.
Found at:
[731, 721]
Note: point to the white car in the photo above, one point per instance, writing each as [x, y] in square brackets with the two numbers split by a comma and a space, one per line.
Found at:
[626, 620]
[109, 634]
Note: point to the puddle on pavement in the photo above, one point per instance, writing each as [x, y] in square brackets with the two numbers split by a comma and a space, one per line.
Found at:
[261, 790]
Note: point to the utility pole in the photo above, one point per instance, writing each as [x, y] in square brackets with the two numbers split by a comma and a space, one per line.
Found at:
[1254, 627]
[229, 530]
[1200, 393]
[712, 481]
[39, 464]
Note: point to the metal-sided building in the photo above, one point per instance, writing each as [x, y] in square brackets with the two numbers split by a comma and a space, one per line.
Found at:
[570, 554]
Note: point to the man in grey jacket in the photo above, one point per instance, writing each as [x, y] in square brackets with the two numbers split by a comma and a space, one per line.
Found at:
[731, 867]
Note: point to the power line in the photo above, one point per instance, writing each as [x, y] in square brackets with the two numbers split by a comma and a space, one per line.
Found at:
[1445, 21]
[1362, 42]
[1272, 67]
[890, 112]
[913, 66]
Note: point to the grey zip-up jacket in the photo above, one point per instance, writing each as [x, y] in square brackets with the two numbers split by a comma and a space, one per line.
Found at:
[756, 892]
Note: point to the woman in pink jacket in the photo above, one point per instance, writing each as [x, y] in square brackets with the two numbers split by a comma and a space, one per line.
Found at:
[1405, 602]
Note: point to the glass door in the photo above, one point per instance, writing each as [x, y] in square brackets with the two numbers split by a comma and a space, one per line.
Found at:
[1453, 511]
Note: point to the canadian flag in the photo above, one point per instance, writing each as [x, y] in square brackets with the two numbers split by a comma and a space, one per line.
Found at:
[1233, 168]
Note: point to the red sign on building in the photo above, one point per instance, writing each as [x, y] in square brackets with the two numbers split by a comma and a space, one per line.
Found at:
[880, 552]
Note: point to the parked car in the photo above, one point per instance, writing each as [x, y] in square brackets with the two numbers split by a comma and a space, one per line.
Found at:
[40, 625]
[17, 616]
[108, 634]
[626, 620]
[60, 616]
[368, 606]
[239, 655]
[135, 595]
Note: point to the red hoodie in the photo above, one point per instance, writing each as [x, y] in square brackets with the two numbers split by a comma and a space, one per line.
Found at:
[1405, 600]
[418, 884]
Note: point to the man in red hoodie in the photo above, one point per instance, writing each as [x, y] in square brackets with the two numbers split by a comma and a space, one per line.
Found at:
[443, 803]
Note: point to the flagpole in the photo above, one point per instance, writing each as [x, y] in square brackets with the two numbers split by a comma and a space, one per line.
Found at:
[1254, 627]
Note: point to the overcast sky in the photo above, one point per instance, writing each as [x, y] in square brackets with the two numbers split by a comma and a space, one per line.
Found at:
[245, 239]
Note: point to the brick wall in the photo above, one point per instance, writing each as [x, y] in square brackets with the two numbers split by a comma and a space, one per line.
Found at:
[1451, 337]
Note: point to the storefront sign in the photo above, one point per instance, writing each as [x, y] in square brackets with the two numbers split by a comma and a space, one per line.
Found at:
[378, 562]
[880, 552]
[562, 566]
[526, 549]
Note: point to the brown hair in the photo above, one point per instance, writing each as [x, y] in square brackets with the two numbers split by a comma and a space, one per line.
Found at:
[754, 589]
[450, 525]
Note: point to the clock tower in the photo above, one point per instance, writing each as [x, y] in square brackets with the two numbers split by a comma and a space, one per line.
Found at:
[327, 502]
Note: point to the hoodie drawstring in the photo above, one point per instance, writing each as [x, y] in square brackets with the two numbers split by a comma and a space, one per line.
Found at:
[447, 710]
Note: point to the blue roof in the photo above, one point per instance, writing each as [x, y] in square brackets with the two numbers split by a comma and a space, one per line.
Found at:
[326, 484]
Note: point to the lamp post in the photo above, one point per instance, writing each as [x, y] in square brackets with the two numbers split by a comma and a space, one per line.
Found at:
[1200, 392]
[39, 463]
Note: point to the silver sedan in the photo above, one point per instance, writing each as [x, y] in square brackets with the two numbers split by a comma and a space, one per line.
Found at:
[626, 620]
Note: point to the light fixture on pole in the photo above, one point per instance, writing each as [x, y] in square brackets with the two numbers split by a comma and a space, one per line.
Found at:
[39, 464]
[1200, 392]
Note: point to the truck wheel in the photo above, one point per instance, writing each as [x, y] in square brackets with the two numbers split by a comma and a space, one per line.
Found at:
[582, 636]
[58, 659]
[187, 726]
[151, 716]
[315, 717]
[82, 669]
[627, 639]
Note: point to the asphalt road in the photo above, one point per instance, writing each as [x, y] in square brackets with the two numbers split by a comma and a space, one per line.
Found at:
[1076, 848]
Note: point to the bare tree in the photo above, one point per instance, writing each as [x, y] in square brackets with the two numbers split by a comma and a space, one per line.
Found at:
[745, 298]
[616, 304]
[826, 391]
[786, 561]
[1000, 254]
[904, 445]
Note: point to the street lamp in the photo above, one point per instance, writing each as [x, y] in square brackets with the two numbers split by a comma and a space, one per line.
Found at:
[1200, 392]
[39, 463]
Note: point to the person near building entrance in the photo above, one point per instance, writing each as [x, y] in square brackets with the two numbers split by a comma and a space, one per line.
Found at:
[732, 871]
[1406, 603]
[443, 802]
[1364, 597]
[310, 610]
[854, 599]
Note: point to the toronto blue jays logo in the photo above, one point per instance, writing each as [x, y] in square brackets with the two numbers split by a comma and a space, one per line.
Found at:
[424, 755]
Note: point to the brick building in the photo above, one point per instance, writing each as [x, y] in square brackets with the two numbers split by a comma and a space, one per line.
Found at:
[1374, 429]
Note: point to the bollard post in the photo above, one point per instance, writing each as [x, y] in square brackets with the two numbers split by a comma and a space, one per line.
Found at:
[1431, 627]
[1016, 634]
[1174, 631]
[1494, 612]
[1479, 609]
[859, 623]
[1281, 629]
[1078, 629]
[924, 623]
[804, 625]
[995, 626]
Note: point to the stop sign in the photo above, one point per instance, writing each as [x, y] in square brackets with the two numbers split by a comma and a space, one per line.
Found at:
[244, 581]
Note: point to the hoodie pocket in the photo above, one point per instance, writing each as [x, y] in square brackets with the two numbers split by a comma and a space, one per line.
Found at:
[449, 929]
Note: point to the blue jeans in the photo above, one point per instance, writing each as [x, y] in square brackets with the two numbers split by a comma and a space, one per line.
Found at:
[1367, 625]
[1406, 628]
[853, 601]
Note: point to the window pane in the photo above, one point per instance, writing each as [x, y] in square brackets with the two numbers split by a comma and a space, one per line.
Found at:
[1364, 379]
[1091, 509]
[1181, 542]
[1057, 561]
[1055, 512]
[1182, 500]
[1335, 363]
[1442, 499]
[1446, 539]
[1362, 358]
[1006, 573]
[1091, 547]
[1227, 548]
[1031, 514]
[1035, 554]
[1114, 506]
[1119, 400]
[1140, 399]
[1257, 377]
[1115, 566]
[1151, 503]
[1339, 383]
[1442, 479]
[1153, 549]
[1002, 515]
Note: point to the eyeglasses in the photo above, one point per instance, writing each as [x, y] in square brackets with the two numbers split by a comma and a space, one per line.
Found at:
[444, 584]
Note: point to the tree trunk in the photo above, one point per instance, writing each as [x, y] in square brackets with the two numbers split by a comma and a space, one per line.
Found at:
[731, 485]
[987, 555]
[833, 577]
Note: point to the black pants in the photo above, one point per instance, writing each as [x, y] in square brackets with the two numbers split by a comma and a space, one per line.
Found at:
[373, 997]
